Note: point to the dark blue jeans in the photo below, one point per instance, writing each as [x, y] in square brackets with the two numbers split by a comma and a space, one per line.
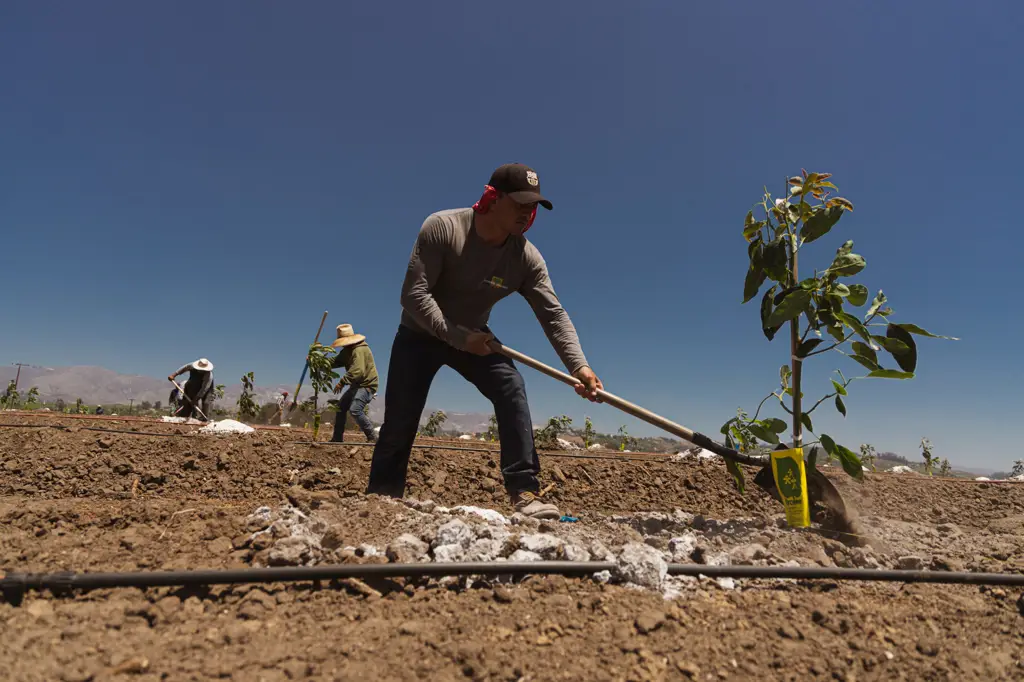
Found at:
[415, 359]
[353, 401]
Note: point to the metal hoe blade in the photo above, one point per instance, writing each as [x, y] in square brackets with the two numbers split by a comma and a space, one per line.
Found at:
[826, 502]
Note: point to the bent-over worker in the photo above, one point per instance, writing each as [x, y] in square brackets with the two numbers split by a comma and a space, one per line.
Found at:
[464, 261]
[198, 389]
[360, 376]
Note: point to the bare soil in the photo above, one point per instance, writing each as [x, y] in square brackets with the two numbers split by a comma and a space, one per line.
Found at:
[84, 500]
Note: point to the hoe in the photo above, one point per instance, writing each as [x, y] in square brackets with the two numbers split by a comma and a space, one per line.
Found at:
[826, 503]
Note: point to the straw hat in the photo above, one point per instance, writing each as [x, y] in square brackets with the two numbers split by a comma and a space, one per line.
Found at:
[203, 364]
[346, 337]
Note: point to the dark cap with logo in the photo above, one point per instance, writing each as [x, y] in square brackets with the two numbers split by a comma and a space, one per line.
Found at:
[519, 182]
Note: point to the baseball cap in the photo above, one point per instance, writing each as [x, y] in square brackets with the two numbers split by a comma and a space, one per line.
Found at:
[519, 182]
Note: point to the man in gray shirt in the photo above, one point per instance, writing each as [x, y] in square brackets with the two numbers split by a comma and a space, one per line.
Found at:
[464, 261]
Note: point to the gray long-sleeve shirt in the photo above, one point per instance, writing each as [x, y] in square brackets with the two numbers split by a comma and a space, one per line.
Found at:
[454, 278]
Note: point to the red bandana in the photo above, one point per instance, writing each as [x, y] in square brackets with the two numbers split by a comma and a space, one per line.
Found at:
[490, 195]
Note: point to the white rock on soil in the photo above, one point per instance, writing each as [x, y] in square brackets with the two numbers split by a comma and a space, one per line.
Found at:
[484, 550]
[455, 532]
[489, 515]
[682, 547]
[541, 543]
[523, 555]
[227, 426]
[292, 551]
[574, 553]
[603, 576]
[600, 553]
[449, 553]
[642, 565]
[407, 548]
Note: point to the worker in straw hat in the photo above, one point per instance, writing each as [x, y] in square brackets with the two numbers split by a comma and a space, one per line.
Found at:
[356, 358]
[464, 261]
[198, 389]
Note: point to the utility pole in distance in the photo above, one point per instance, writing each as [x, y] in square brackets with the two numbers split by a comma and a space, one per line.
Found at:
[17, 376]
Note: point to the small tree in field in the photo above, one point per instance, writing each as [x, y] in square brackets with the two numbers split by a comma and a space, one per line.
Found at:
[817, 309]
[433, 425]
[492, 428]
[11, 396]
[158, 405]
[247, 407]
[926, 454]
[218, 393]
[945, 468]
[32, 398]
[626, 441]
[588, 432]
[322, 378]
[547, 437]
[868, 455]
[1018, 468]
[59, 405]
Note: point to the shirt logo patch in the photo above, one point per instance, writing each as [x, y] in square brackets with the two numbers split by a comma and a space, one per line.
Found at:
[495, 283]
[531, 177]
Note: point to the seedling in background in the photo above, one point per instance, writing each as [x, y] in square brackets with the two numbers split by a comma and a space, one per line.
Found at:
[11, 396]
[588, 433]
[492, 428]
[626, 441]
[247, 407]
[823, 302]
[556, 426]
[868, 455]
[433, 426]
[929, 458]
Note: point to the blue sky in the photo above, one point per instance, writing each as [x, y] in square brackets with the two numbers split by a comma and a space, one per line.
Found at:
[197, 178]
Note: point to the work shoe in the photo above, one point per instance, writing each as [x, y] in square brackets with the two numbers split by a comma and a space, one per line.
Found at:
[529, 504]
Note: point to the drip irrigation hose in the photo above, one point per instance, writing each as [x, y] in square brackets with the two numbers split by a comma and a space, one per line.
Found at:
[652, 457]
[15, 585]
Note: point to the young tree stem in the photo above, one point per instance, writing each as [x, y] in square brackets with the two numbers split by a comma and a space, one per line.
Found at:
[794, 337]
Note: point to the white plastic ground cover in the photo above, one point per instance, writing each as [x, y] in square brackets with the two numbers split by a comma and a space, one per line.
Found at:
[226, 426]
[179, 420]
[900, 469]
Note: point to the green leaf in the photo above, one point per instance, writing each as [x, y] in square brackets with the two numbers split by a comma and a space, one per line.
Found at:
[847, 265]
[854, 324]
[791, 307]
[805, 419]
[866, 351]
[763, 433]
[836, 333]
[894, 346]
[840, 289]
[828, 444]
[820, 222]
[737, 474]
[914, 329]
[876, 304]
[851, 463]
[776, 259]
[749, 229]
[869, 363]
[811, 283]
[755, 278]
[807, 346]
[766, 310]
[840, 405]
[908, 359]
[858, 295]
[890, 374]
[846, 248]
[840, 389]
[774, 425]
[784, 373]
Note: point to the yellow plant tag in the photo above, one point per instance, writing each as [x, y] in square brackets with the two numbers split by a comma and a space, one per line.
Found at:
[791, 480]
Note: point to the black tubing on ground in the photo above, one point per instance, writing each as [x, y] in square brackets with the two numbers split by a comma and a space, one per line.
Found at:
[14, 585]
